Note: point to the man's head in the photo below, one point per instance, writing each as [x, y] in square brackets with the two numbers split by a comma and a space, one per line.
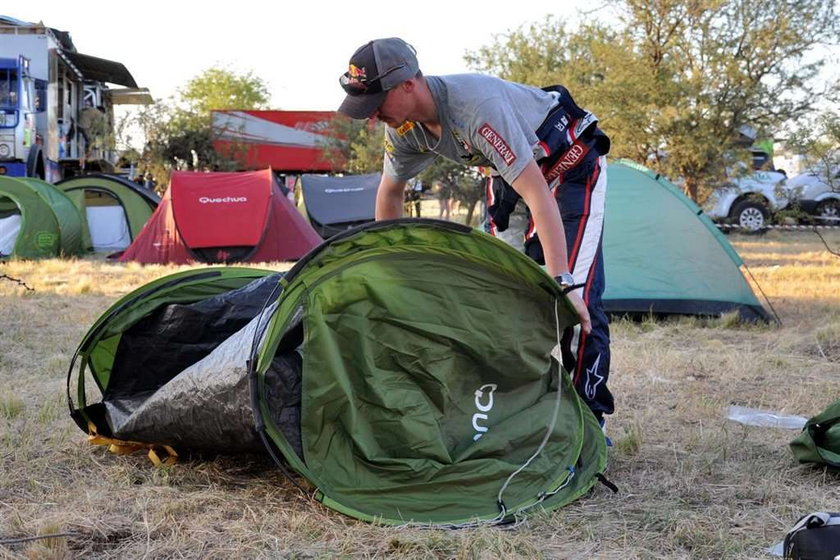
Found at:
[375, 68]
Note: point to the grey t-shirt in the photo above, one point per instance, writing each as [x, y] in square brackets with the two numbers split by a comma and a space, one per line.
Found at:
[485, 121]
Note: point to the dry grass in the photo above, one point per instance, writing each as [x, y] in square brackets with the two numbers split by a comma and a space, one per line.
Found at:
[693, 485]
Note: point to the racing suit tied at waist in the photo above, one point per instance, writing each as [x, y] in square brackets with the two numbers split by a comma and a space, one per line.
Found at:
[567, 137]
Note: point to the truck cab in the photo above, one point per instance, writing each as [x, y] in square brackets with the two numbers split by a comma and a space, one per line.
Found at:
[19, 106]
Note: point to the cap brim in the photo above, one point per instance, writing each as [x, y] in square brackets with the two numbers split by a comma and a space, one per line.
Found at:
[362, 106]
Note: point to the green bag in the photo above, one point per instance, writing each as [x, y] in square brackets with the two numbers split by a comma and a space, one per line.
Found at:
[819, 441]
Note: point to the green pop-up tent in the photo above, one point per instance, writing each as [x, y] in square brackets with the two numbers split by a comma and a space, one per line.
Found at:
[113, 209]
[662, 255]
[405, 369]
[37, 220]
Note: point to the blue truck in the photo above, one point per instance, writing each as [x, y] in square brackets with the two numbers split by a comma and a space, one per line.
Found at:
[46, 89]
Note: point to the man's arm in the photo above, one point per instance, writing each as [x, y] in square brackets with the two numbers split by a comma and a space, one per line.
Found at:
[531, 185]
[389, 198]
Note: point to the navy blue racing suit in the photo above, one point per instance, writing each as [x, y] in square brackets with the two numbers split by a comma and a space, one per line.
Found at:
[574, 165]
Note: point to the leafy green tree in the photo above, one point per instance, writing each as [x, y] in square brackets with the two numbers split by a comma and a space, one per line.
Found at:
[676, 79]
[179, 134]
[220, 88]
[819, 142]
[355, 146]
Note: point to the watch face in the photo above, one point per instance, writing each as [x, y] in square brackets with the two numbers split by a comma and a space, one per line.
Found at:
[565, 279]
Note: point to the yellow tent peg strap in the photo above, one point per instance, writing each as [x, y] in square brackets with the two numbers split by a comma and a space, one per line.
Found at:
[169, 461]
[124, 447]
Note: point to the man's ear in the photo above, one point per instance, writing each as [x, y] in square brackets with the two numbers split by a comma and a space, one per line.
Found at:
[409, 85]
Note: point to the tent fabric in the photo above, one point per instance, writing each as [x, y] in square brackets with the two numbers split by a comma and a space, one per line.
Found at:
[662, 255]
[191, 390]
[420, 396]
[181, 318]
[66, 213]
[135, 202]
[334, 204]
[9, 230]
[39, 221]
[386, 368]
[108, 228]
[223, 217]
[202, 205]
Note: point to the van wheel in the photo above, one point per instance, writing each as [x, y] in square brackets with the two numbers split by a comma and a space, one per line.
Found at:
[828, 212]
[751, 215]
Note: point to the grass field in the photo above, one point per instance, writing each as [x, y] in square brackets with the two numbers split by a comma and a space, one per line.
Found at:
[692, 484]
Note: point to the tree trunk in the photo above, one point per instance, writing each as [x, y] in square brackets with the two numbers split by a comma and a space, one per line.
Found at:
[471, 211]
[691, 188]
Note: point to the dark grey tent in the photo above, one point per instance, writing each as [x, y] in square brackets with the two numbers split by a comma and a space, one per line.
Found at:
[662, 255]
[334, 204]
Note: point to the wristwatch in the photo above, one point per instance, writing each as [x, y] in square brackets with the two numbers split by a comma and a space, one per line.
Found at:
[566, 280]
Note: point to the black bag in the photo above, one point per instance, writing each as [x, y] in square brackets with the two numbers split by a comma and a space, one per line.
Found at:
[815, 536]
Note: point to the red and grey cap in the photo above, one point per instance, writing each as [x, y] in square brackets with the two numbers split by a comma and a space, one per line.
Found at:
[375, 68]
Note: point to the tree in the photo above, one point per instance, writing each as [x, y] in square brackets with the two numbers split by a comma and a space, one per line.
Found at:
[179, 134]
[354, 145]
[465, 183]
[219, 88]
[676, 79]
[819, 143]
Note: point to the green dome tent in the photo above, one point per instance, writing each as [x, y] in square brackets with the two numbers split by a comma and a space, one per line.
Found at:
[662, 255]
[387, 369]
[113, 209]
[37, 220]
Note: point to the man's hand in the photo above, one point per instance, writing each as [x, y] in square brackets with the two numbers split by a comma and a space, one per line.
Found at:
[582, 311]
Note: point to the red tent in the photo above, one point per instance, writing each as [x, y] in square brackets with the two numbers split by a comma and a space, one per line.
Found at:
[286, 141]
[223, 217]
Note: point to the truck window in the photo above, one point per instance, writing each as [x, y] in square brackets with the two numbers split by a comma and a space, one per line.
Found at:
[8, 88]
[40, 95]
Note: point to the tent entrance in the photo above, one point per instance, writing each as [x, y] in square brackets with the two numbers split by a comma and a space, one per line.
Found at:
[178, 376]
[10, 220]
[222, 255]
[106, 220]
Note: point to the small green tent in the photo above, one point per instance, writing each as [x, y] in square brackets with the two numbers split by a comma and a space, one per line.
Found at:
[387, 368]
[113, 209]
[662, 255]
[37, 220]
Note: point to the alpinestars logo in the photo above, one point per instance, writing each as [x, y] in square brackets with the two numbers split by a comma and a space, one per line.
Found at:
[484, 406]
[222, 200]
[591, 388]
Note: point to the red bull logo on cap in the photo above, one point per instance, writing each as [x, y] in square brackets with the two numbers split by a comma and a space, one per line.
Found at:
[357, 74]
